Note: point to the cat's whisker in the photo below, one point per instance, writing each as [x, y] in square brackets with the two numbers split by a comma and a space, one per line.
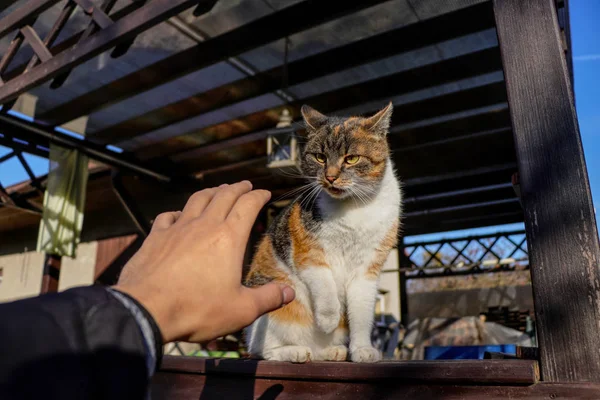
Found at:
[296, 192]
[317, 189]
[313, 193]
[316, 196]
[360, 194]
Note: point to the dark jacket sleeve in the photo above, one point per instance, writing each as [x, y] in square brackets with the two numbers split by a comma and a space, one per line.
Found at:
[79, 344]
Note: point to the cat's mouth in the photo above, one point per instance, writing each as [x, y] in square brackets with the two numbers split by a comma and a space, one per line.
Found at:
[336, 192]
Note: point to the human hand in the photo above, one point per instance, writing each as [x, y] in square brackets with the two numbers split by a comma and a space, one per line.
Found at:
[188, 272]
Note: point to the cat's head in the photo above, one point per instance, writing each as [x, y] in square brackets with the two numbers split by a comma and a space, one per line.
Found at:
[346, 156]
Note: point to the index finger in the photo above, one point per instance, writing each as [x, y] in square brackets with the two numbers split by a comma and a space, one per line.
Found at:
[246, 209]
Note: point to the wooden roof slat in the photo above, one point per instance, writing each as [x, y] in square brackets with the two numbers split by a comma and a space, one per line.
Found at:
[6, 3]
[452, 223]
[72, 40]
[18, 17]
[125, 29]
[401, 138]
[471, 213]
[478, 146]
[447, 26]
[445, 159]
[276, 25]
[420, 110]
[385, 87]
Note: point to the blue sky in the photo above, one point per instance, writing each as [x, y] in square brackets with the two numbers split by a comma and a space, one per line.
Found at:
[585, 36]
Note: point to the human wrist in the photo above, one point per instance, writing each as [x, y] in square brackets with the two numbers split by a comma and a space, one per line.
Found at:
[160, 312]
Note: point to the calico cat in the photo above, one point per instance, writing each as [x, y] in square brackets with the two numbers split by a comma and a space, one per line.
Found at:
[330, 244]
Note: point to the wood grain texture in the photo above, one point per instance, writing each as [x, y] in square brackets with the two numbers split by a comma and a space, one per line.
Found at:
[403, 39]
[559, 214]
[203, 387]
[518, 372]
[285, 22]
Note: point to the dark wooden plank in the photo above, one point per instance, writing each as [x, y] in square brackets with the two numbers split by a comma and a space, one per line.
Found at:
[451, 155]
[239, 131]
[67, 43]
[21, 15]
[400, 137]
[290, 20]
[128, 27]
[559, 214]
[445, 27]
[52, 264]
[194, 387]
[384, 87]
[36, 43]
[31, 133]
[6, 3]
[519, 372]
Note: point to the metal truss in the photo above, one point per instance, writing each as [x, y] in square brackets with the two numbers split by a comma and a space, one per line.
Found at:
[103, 33]
[49, 61]
[503, 251]
[16, 200]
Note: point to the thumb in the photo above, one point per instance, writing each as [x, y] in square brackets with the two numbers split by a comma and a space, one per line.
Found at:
[270, 297]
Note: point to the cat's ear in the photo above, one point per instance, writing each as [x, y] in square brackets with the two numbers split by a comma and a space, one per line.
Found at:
[312, 118]
[380, 122]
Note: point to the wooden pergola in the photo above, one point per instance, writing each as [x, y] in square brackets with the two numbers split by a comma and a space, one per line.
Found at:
[482, 90]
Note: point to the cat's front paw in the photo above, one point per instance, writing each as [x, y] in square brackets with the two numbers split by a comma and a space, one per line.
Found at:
[295, 354]
[365, 354]
[328, 317]
[335, 353]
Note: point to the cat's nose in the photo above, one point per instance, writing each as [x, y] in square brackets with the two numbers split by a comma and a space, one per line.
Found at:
[331, 179]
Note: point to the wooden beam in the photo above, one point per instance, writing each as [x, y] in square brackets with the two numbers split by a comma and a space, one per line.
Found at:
[207, 387]
[448, 372]
[445, 27]
[559, 214]
[137, 22]
[255, 126]
[51, 273]
[65, 44]
[282, 23]
[23, 14]
[38, 46]
[6, 3]
[412, 80]
[466, 151]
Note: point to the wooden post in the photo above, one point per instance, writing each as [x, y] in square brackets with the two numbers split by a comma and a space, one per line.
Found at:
[559, 214]
[51, 274]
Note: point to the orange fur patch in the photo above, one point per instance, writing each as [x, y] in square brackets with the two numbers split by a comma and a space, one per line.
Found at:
[349, 120]
[343, 322]
[306, 251]
[264, 263]
[381, 253]
[377, 171]
[293, 313]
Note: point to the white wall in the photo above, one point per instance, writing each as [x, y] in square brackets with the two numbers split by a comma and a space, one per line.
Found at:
[22, 272]
[389, 281]
[21, 275]
[78, 271]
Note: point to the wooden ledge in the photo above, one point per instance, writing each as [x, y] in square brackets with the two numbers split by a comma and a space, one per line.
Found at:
[464, 372]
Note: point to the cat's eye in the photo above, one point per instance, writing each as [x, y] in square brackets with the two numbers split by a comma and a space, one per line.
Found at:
[320, 158]
[352, 159]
